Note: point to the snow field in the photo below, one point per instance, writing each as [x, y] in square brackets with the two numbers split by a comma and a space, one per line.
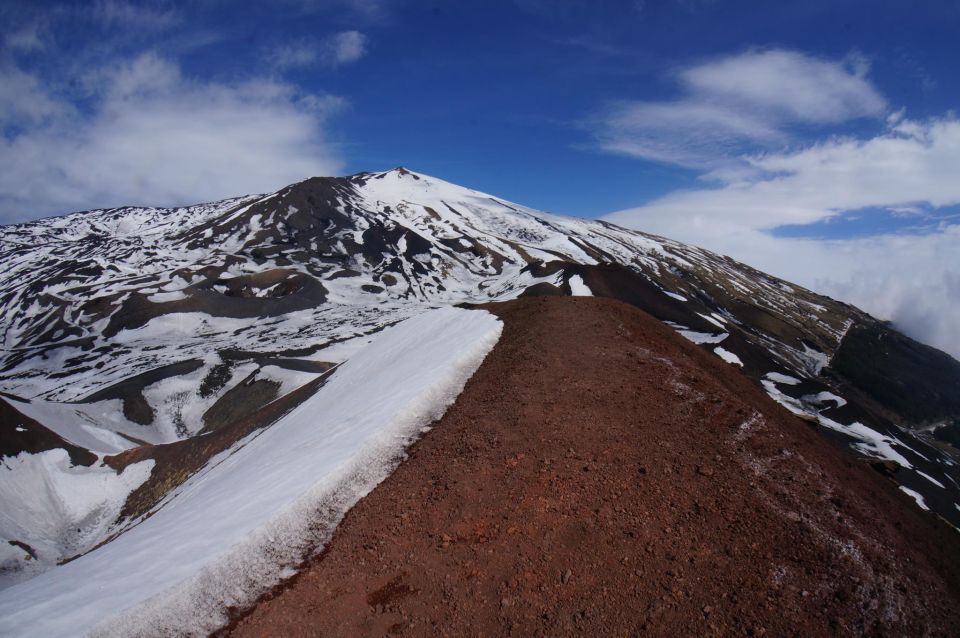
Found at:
[239, 526]
[69, 509]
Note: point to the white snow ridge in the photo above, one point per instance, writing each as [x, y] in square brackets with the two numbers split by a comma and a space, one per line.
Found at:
[237, 527]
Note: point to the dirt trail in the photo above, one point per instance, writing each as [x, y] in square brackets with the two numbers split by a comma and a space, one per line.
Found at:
[600, 475]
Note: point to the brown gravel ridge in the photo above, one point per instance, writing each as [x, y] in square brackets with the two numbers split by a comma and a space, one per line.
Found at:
[601, 476]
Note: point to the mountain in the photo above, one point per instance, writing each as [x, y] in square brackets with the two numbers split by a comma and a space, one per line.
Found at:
[146, 350]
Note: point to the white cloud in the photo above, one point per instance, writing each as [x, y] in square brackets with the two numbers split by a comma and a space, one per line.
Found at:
[23, 101]
[910, 279]
[340, 48]
[739, 102]
[27, 39]
[907, 211]
[347, 46]
[117, 13]
[911, 162]
[689, 133]
[372, 10]
[790, 84]
[154, 137]
[293, 55]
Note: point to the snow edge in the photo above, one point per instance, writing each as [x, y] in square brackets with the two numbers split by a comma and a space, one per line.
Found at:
[251, 568]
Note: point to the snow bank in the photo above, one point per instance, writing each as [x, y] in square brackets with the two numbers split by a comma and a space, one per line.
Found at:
[57, 509]
[236, 528]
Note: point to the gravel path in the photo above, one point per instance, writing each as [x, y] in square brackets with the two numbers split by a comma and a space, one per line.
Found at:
[600, 475]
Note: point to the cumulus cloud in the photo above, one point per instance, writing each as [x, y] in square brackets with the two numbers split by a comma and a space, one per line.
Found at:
[911, 279]
[152, 136]
[738, 102]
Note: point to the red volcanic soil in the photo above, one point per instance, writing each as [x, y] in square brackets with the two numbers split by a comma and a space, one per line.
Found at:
[600, 475]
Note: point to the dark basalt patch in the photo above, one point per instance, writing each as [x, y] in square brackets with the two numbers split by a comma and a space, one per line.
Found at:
[297, 292]
[19, 433]
[215, 379]
[176, 462]
[344, 273]
[621, 283]
[130, 390]
[277, 282]
[244, 398]
[917, 383]
[542, 289]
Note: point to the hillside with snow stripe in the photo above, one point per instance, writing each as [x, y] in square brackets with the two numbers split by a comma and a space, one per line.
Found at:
[167, 336]
[232, 530]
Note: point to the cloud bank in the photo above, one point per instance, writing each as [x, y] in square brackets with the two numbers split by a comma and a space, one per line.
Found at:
[148, 135]
[909, 168]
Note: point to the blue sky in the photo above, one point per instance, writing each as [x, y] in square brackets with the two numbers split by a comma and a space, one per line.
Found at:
[816, 140]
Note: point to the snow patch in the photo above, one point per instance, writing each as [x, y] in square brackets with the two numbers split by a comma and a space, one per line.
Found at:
[871, 443]
[578, 288]
[59, 509]
[931, 479]
[915, 495]
[712, 320]
[815, 360]
[867, 441]
[776, 377]
[728, 356]
[823, 397]
[703, 337]
[163, 297]
[85, 425]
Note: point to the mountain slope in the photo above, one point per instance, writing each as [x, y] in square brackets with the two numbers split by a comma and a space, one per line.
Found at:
[625, 484]
[141, 345]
